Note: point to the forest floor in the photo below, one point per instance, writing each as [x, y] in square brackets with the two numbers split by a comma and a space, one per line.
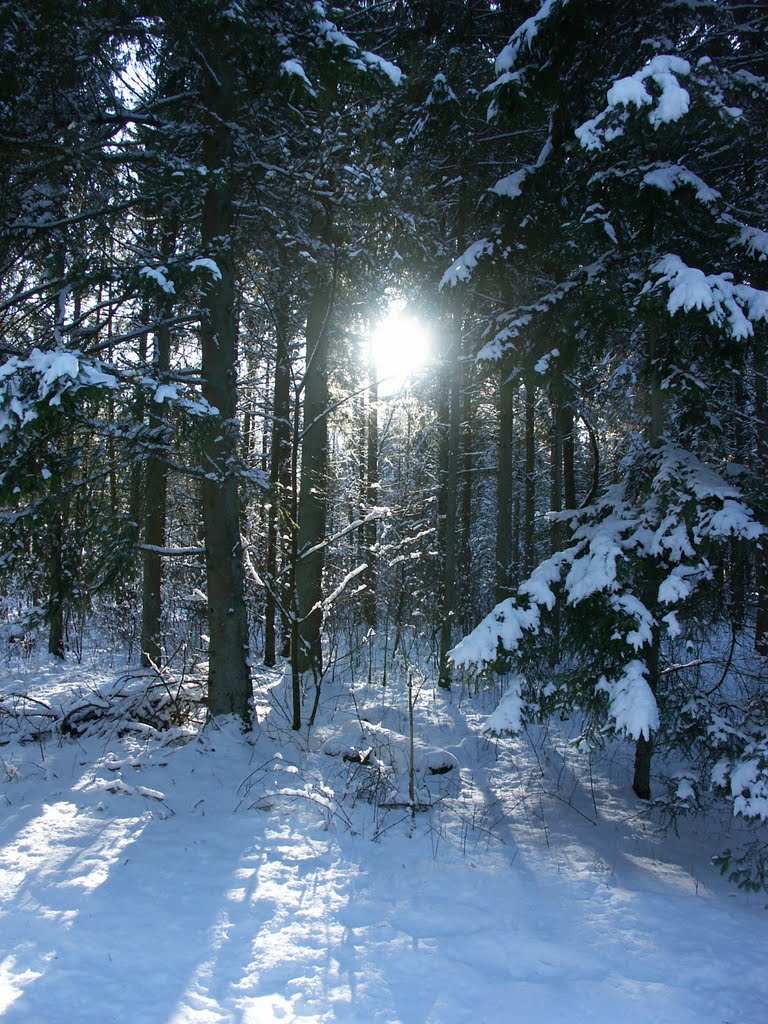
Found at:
[191, 876]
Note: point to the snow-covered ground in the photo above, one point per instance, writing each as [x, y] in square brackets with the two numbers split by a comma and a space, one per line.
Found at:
[168, 877]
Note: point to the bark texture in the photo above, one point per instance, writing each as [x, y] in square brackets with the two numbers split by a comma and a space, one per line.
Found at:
[229, 684]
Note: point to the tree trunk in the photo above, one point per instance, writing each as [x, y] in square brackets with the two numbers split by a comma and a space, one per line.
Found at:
[641, 782]
[556, 502]
[505, 490]
[371, 497]
[464, 574]
[569, 454]
[154, 522]
[530, 479]
[229, 684]
[761, 555]
[449, 485]
[279, 481]
[556, 467]
[313, 491]
[57, 586]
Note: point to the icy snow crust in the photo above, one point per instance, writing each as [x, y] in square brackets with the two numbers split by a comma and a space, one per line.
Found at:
[187, 877]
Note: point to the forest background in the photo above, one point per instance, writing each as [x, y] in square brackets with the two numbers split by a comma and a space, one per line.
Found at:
[207, 209]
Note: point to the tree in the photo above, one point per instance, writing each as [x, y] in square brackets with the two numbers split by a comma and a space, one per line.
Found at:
[617, 213]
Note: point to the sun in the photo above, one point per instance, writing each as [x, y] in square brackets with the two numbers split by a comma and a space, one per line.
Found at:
[401, 346]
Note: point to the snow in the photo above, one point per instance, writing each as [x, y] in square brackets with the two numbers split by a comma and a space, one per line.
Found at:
[676, 587]
[749, 787]
[207, 264]
[461, 269]
[512, 185]
[392, 71]
[519, 318]
[294, 68]
[630, 605]
[670, 105]
[669, 177]
[595, 569]
[330, 33]
[688, 504]
[508, 716]
[674, 629]
[674, 100]
[160, 276]
[542, 365]
[218, 882]
[735, 306]
[52, 367]
[732, 519]
[505, 626]
[755, 240]
[632, 704]
[166, 391]
[629, 91]
[523, 37]
[363, 60]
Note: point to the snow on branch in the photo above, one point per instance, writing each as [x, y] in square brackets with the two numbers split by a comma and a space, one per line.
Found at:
[515, 321]
[461, 268]
[745, 778]
[170, 552]
[363, 60]
[511, 185]
[522, 38]
[295, 69]
[505, 627]
[331, 598]
[669, 177]
[631, 703]
[670, 104]
[754, 241]
[160, 276]
[204, 263]
[44, 377]
[735, 306]
[686, 505]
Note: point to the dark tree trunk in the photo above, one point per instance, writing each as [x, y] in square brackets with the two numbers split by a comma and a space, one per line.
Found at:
[371, 498]
[569, 454]
[57, 586]
[505, 490]
[530, 479]
[313, 491]
[229, 684]
[136, 503]
[761, 564]
[556, 467]
[464, 573]
[279, 483]
[556, 502]
[154, 523]
[449, 484]
[641, 782]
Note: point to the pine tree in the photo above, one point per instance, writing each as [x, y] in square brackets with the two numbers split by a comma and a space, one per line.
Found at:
[634, 190]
